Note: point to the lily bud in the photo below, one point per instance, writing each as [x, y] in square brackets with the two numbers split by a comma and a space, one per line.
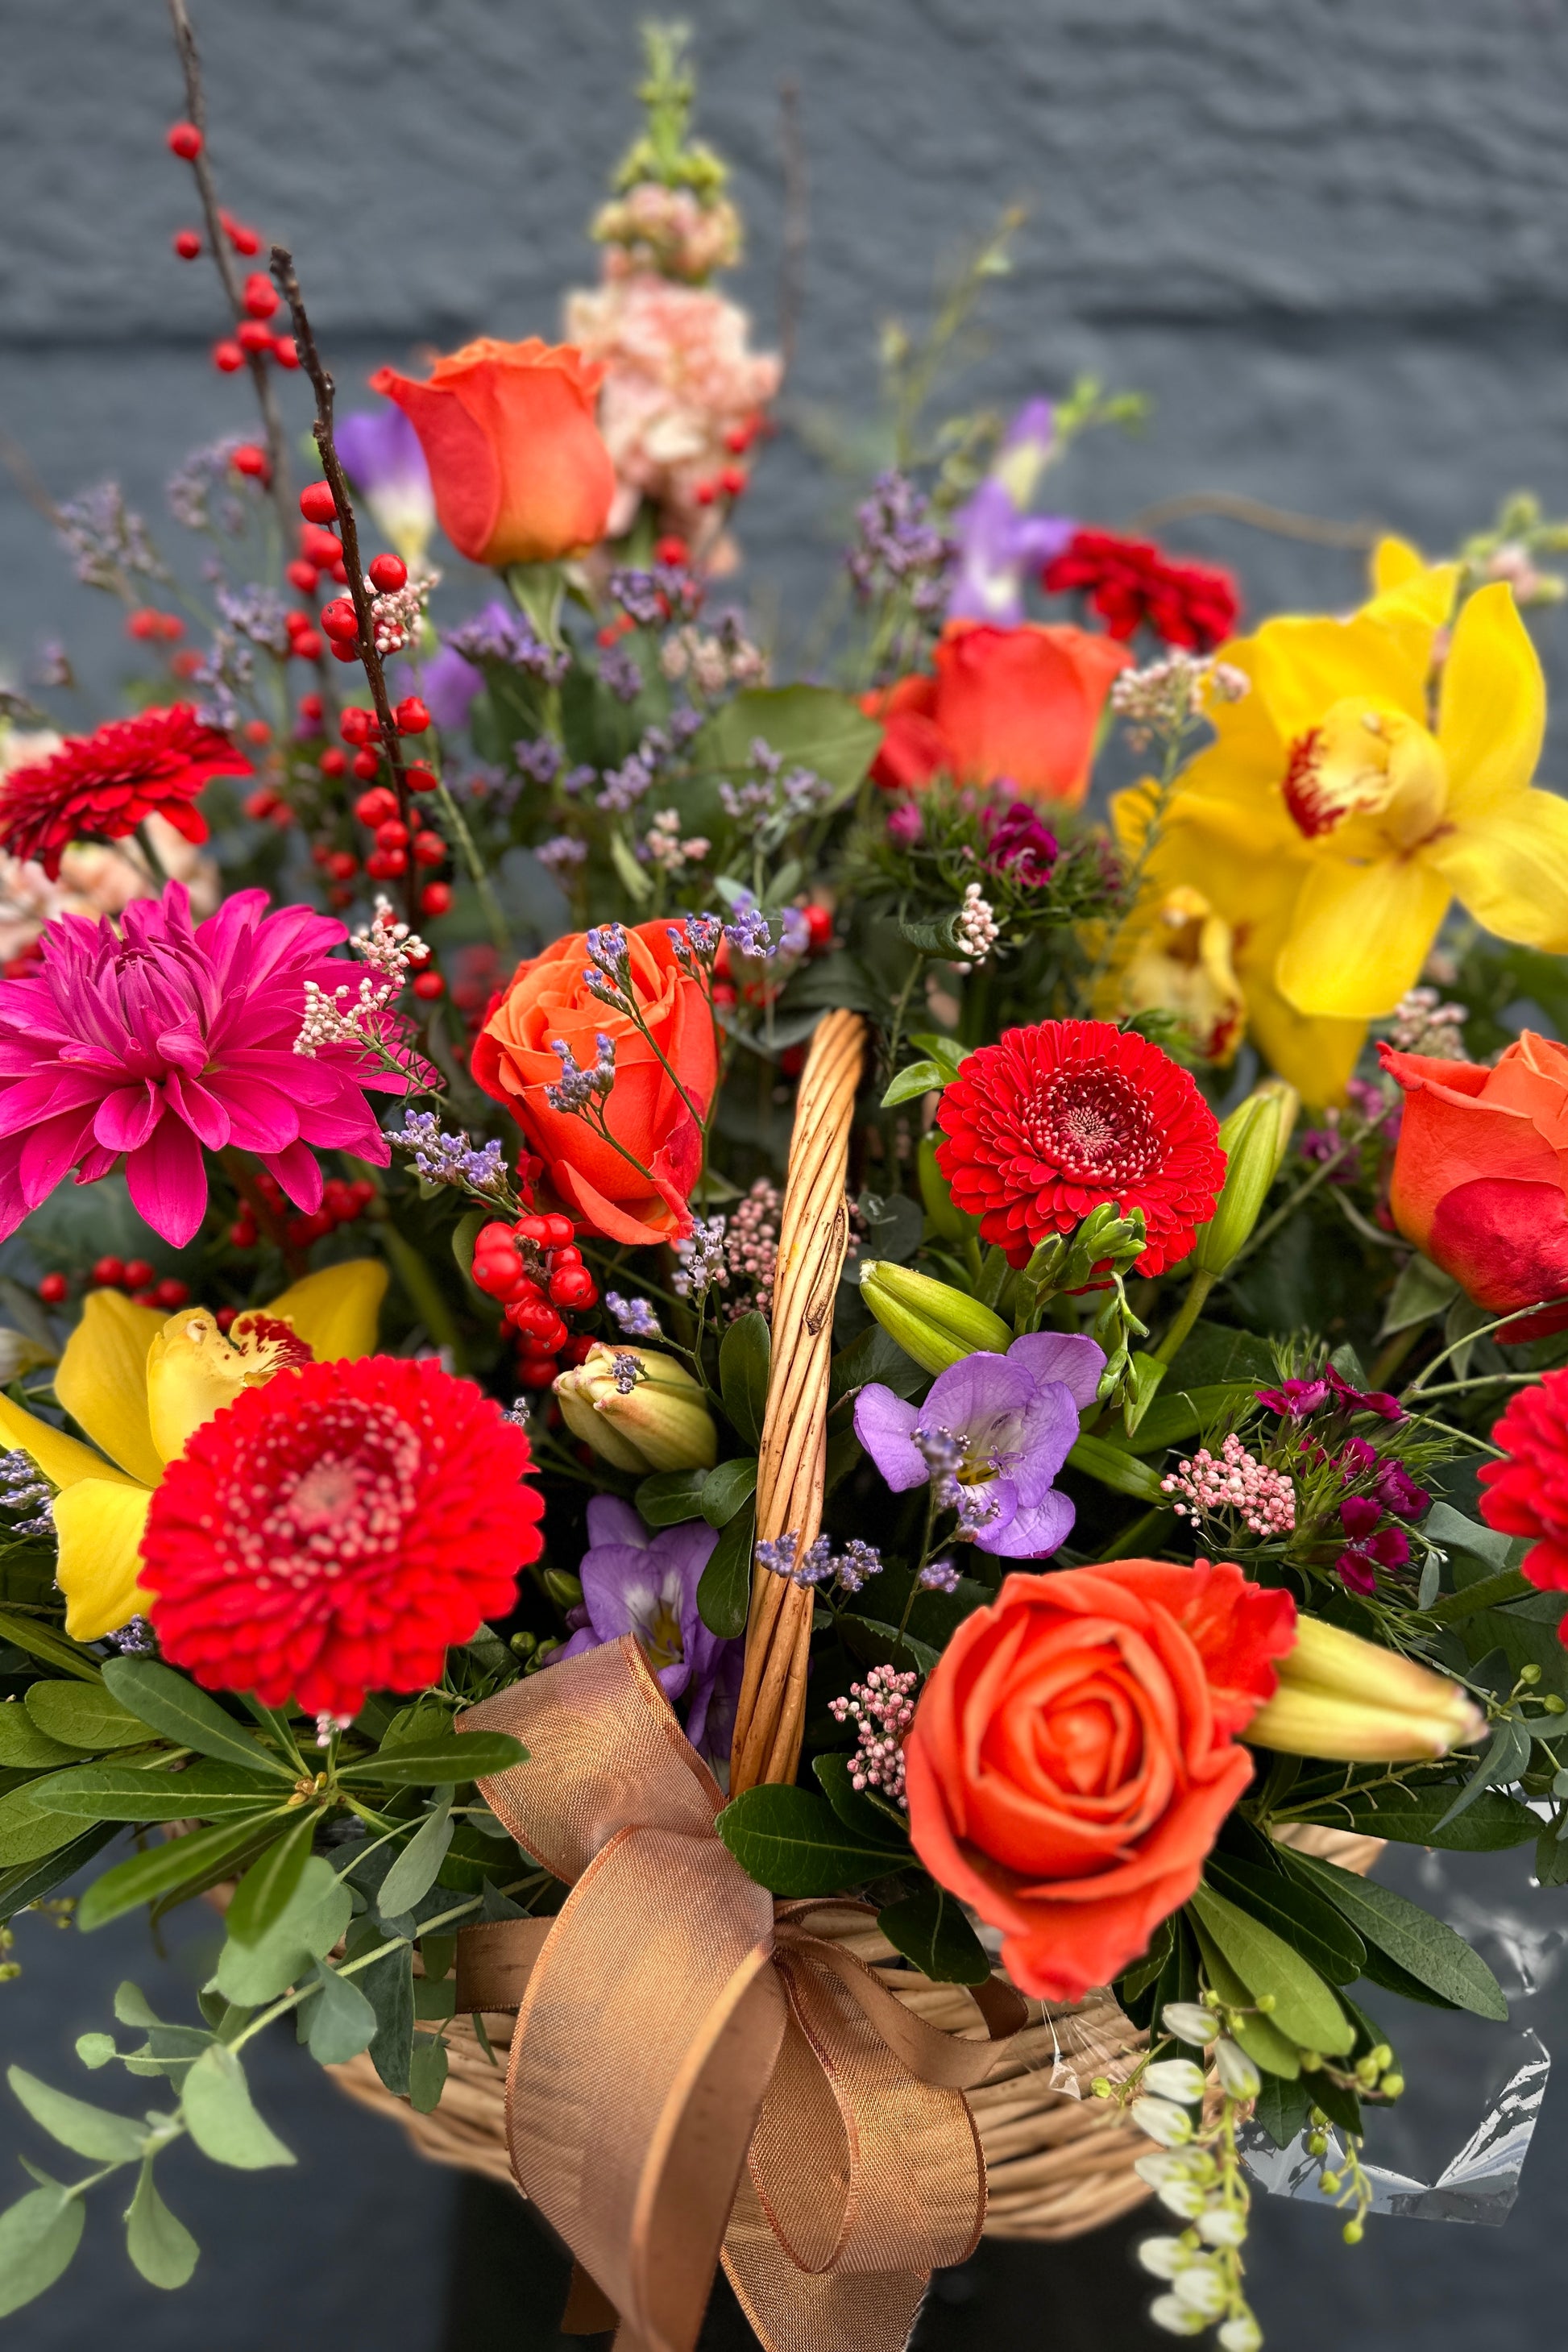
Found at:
[640, 1410]
[931, 1321]
[1254, 1139]
[1342, 1697]
[948, 1224]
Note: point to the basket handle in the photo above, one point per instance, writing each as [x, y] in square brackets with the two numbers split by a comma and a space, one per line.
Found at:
[814, 1234]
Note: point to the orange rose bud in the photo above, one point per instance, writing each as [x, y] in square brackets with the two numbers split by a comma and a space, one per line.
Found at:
[1074, 1754]
[520, 471]
[657, 1132]
[1481, 1180]
[1021, 706]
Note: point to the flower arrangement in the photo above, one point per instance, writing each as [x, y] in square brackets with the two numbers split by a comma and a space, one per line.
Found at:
[462, 1450]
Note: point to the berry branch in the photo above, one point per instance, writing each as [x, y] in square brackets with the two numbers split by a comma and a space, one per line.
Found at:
[218, 243]
[321, 384]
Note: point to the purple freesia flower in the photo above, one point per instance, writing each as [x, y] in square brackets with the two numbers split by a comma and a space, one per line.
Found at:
[992, 1434]
[450, 687]
[634, 1581]
[381, 451]
[998, 538]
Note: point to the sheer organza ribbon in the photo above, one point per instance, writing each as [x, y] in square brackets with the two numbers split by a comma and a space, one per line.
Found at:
[696, 2073]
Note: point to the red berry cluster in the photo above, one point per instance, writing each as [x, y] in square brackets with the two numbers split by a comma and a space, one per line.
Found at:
[537, 1273]
[342, 1204]
[255, 335]
[150, 626]
[136, 1275]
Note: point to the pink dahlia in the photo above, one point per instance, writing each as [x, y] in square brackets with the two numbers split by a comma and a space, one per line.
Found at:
[102, 786]
[156, 1041]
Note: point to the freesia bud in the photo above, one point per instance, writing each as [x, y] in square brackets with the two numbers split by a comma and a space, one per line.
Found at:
[1223, 2225]
[931, 1321]
[640, 1410]
[1174, 2078]
[1237, 2072]
[1342, 1697]
[1200, 2285]
[1188, 2021]
[1254, 1139]
[1241, 2334]
[1170, 2126]
[1175, 2317]
[1163, 2257]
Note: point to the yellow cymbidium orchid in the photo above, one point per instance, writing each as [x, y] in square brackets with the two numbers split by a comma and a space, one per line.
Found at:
[139, 1383]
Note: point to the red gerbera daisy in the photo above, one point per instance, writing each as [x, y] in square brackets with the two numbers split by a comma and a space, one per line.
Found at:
[1132, 585]
[1042, 1127]
[333, 1532]
[102, 786]
[1528, 1494]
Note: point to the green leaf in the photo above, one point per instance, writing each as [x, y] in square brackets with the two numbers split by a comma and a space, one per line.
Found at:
[160, 1697]
[416, 1867]
[724, 1589]
[1146, 1971]
[1305, 2011]
[634, 880]
[43, 1641]
[1423, 1948]
[947, 1052]
[267, 1888]
[86, 2130]
[125, 1792]
[1180, 1413]
[315, 1915]
[919, 1078]
[1116, 1468]
[746, 1353]
[1442, 1525]
[1311, 1926]
[942, 938]
[812, 726]
[727, 1488]
[439, 1763]
[1422, 1291]
[1263, 2042]
[863, 1815]
[38, 2235]
[159, 2244]
[27, 1830]
[95, 2049]
[1412, 1817]
[793, 1843]
[884, 1646]
[1283, 2109]
[871, 1356]
[144, 1877]
[388, 1986]
[342, 2021]
[23, 1746]
[84, 1715]
[1507, 1756]
[221, 2118]
[931, 1930]
[670, 1497]
[427, 2073]
[25, 1882]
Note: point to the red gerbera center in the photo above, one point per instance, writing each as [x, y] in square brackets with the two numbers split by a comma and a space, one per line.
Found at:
[102, 786]
[1045, 1125]
[334, 1532]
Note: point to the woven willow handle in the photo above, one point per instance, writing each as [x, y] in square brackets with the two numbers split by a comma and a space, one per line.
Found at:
[813, 1237]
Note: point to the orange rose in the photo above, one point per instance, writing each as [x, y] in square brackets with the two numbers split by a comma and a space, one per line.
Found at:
[1073, 1755]
[1020, 706]
[519, 472]
[637, 1192]
[1481, 1176]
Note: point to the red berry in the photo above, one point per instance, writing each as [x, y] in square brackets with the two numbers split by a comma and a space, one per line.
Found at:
[228, 356]
[533, 1316]
[429, 849]
[226, 1318]
[184, 140]
[819, 923]
[428, 986]
[366, 764]
[732, 481]
[242, 1234]
[388, 573]
[54, 1290]
[575, 1350]
[319, 547]
[143, 1299]
[337, 1196]
[285, 351]
[253, 335]
[494, 1275]
[558, 1231]
[333, 763]
[342, 865]
[532, 1229]
[317, 503]
[341, 895]
[301, 575]
[536, 1371]
[340, 572]
[386, 865]
[256, 730]
[109, 1271]
[243, 239]
[705, 493]
[249, 459]
[566, 1254]
[573, 1287]
[364, 1192]
[411, 715]
[392, 834]
[435, 899]
[261, 295]
[309, 644]
[342, 653]
[261, 805]
[339, 620]
[139, 1273]
[172, 1293]
[357, 725]
[722, 993]
[311, 710]
[494, 1236]
[419, 778]
[670, 549]
[374, 808]
[187, 242]
[738, 438]
[186, 662]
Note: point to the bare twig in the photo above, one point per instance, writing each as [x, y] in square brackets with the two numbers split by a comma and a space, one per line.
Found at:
[331, 466]
[1280, 520]
[796, 219]
[196, 107]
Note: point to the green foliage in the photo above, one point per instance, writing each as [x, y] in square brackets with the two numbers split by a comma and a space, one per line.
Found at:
[1305, 2011]
[38, 2235]
[419, 1863]
[810, 726]
[265, 1893]
[670, 1497]
[144, 1877]
[930, 1929]
[726, 1490]
[436, 1762]
[1311, 1926]
[746, 1353]
[794, 1843]
[84, 1715]
[312, 1920]
[1422, 1948]
[86, 2130]
[339, 2021]
[24, 1746]
[221, 2117]
[171, 1704]
[870, 1818]
[724, 1589]
[159, 2244]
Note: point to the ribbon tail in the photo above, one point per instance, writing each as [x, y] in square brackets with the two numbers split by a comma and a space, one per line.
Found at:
[589, 2311]
[791, 2310]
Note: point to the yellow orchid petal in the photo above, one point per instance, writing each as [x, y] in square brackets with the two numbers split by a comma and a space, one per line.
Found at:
[100, 1527]
[1394, 562]
[1314, 1053]
[1359, 936]
[1511, 868]
[102, 1380]
[1493, 707]
[1422, 596]
[63, 1460]
[335, 1311]
[191, 1373]
[1307, 665]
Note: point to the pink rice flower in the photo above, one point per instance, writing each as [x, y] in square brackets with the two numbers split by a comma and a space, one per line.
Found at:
[159, 1040]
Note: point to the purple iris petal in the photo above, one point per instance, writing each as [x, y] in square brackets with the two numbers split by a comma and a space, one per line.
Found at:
[883, 1423]
[1032, 1532]
[998, 540]
[450, 687]
[1066, 1356]
[638, 1581]
[386, 463]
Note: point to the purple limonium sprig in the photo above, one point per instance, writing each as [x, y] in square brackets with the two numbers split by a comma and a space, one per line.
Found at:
[538, 757]
[898, 548]
[635, 1317]
[497, 633]
[582, 1085]
[443, 1158]
[819, 1564]
[637, 1582]
[990, 1438]
[22, 1490]
[385, 461]
[703, 1265]
[619, 673]
[561, 855]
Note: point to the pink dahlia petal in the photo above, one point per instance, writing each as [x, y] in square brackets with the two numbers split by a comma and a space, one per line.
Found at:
[206, 1117]
[50, 1152]
[299, 1172]
[126, 1117]
[168, 1181]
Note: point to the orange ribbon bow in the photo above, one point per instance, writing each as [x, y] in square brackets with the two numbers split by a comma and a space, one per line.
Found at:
[693, 2070]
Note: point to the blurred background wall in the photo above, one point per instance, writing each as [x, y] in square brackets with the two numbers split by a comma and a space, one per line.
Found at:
[1329, 243]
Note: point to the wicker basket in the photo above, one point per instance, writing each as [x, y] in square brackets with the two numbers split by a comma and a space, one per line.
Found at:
[1058, 2163]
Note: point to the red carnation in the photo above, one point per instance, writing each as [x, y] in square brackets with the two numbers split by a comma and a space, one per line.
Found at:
[102, 786]
[1042, 1127]
[1131, 585]
[335, 1532]
[1528, 1494]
